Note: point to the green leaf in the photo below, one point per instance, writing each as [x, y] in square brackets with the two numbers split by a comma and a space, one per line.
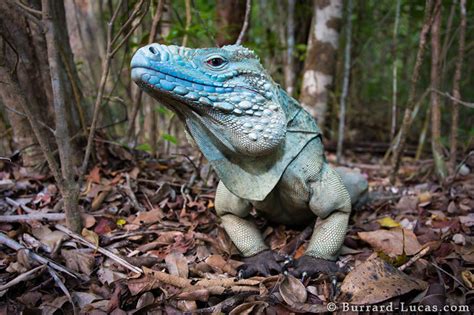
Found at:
[170, 138]
[144, 147]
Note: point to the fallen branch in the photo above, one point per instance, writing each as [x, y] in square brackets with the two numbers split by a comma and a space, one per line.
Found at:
[412, 260]
[30, 274]
[101, 250]
[33, 217]
[5, 240]
[181, 282]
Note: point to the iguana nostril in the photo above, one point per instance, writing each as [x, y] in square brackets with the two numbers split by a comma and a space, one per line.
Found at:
[152, 50]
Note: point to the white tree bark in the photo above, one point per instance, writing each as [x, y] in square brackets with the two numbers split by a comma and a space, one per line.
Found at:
[345, 84]
[321, 58]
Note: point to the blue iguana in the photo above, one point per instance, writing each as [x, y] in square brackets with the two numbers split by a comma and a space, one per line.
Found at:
[265, 148]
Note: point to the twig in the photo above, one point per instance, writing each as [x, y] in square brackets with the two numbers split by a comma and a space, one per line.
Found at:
[446, 94]
[63, 288]
[138, 97]
[101, 250]
[24, 115]
[5, 240]
[30, 274]
[345, 83]
[131, 195]
[33, 217]
[412, 260]
[449, 275]
[399, 143]
[248, 8]
[181, 282]
[188, 22]
[27, 8]
[110, 52]
[456, 89]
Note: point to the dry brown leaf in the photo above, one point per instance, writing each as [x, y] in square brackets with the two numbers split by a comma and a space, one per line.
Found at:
[177, 264]
[51, 240]
[148, 217]
[468, 278]
[374, 281]
[292, 290]
[248, 308]
[78, 260]
[407, 203]
[220, 265]
[88, 220]
[391, 241]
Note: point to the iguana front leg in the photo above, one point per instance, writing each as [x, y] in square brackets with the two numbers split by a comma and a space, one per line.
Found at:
[331, 202]
[244, 234]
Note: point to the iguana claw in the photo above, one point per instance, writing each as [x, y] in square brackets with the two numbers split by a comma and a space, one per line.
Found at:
[311, 266]
[264, 263]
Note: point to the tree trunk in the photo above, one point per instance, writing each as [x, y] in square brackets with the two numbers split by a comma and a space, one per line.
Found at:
[456, 90]
[395, 71]
[230, 16]
[345, 84]
[25, 55]
[289, 68]
[398, 144]
[435, 97]
[318, 74]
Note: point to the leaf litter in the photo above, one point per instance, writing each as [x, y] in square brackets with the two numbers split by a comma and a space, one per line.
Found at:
[152, 243]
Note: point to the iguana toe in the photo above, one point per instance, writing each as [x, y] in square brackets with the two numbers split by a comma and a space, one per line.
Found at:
[311, 266]
[264, 263]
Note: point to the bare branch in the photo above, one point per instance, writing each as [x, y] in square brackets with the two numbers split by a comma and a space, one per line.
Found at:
[110, 52]
[248, 8]
[104, 251]
[28, 9]
[24, 115]
[454, 99]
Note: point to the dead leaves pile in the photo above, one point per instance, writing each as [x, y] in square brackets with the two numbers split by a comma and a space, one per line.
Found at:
[158, 215]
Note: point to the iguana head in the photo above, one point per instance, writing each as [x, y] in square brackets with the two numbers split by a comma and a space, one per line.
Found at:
[225, 89]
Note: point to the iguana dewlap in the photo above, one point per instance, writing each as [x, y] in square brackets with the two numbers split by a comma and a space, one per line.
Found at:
[265, 148]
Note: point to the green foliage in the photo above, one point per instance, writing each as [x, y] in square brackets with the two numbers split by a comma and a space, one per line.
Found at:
[170, 138]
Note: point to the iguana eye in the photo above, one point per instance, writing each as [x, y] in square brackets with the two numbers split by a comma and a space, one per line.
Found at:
[216, 62]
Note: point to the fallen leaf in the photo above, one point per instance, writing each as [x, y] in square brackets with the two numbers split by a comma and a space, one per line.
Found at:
[94, 175]
[424, 198]
[84, 298]
[374, 281]
[468, 278]
[391, 241]
[220, 265]
[249, 307]
[388, 222]
[177, 264]
[407, 203]
[91, 236]
[148, 217]
[105, 226]
[292, 290]
[107, 276]
[459, 239]
[79, 260]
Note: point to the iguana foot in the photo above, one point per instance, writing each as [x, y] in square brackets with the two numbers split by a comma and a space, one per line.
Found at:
[307, 266]
[264, 263]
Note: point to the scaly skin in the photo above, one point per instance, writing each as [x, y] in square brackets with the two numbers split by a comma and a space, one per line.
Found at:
[265, 148]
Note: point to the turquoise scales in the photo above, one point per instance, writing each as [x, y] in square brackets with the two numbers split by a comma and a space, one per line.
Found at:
[265, 148]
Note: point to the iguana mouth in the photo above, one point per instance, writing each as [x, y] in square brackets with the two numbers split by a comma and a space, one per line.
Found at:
[237, 105]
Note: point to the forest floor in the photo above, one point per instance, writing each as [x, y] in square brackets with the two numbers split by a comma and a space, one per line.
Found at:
[412, 244]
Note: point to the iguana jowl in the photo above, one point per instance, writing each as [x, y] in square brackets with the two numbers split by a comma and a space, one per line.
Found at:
[265, 148]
